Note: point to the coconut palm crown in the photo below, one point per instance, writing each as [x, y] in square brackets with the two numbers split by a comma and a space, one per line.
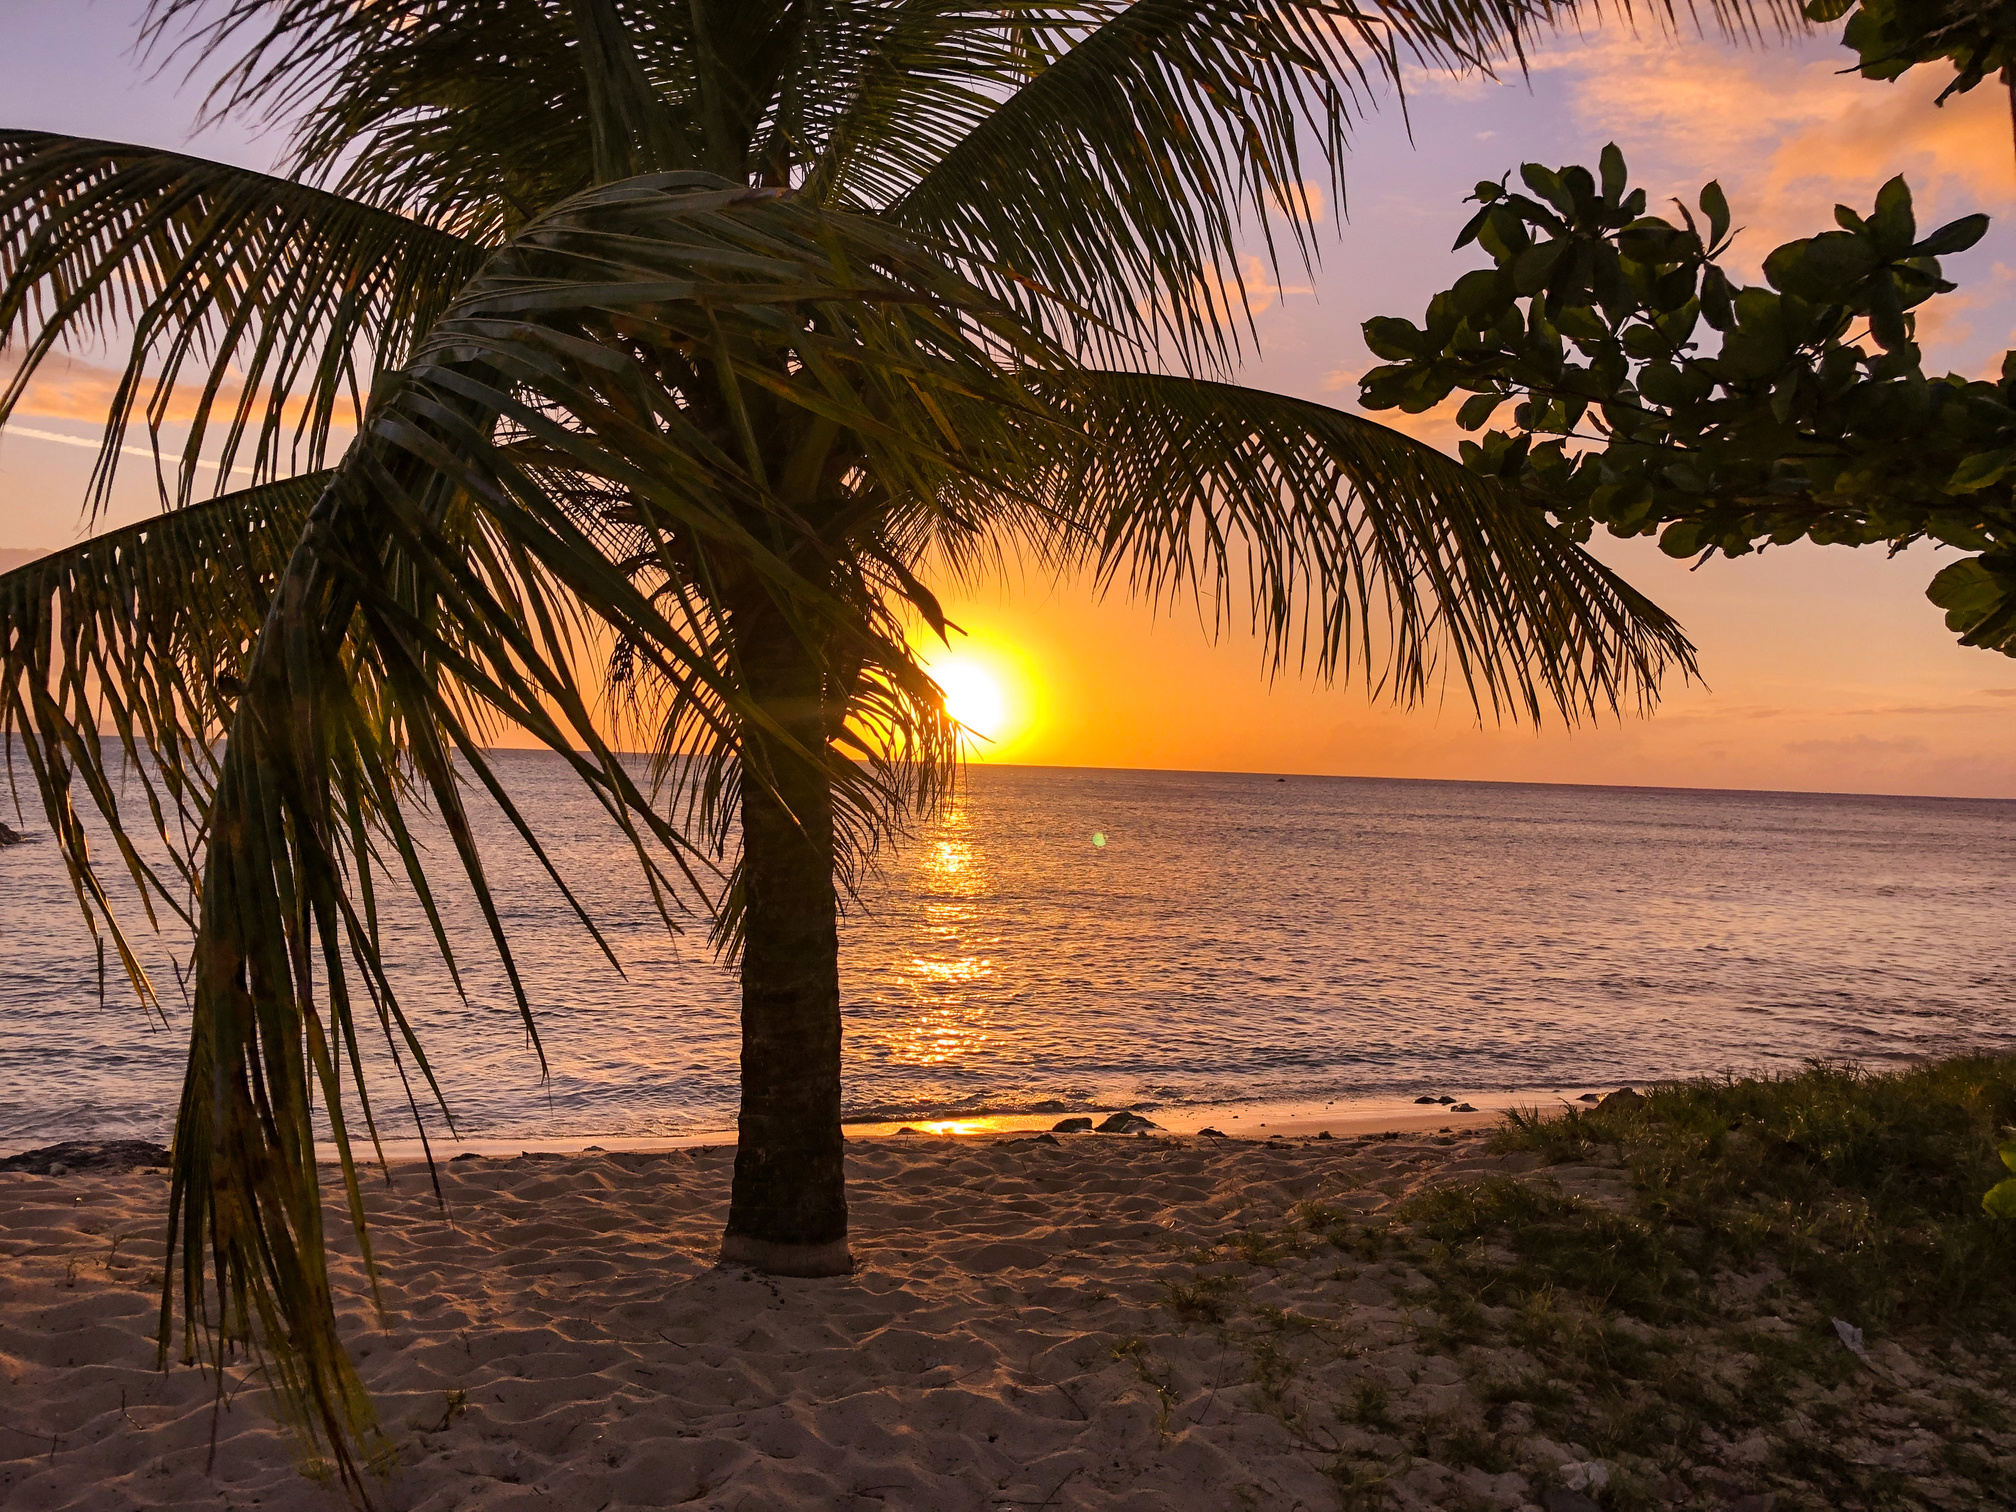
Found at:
[671, 351]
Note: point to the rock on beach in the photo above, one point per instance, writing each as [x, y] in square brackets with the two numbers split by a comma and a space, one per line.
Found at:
[87, 1155]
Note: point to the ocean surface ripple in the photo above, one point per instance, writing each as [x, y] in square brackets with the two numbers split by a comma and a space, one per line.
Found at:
[1229, 938]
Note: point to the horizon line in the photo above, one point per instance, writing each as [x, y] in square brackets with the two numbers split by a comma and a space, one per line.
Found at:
[1285, 774]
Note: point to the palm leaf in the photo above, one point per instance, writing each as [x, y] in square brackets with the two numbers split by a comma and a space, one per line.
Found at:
[471, 114]
[275, 303]
[1339, 525]
[1138, 140]
[1116, 177]
[136, 637]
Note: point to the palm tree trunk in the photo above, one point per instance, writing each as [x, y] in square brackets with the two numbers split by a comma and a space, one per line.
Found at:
[787, 1214]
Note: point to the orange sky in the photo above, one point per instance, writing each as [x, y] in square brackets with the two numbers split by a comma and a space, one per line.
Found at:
[1825, 668]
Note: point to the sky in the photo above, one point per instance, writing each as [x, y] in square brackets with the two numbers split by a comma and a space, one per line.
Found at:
[1822, 669]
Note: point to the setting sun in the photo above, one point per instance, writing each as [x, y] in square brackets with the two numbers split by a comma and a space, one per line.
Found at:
[992, 688]
[973, 695]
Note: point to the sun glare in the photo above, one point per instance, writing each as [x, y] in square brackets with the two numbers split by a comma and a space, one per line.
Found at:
[992, 687]
[973, 696]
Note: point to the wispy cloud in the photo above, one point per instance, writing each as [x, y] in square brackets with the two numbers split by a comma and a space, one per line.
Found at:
[30, 433]
[67, 388]
[1251, 281]
[1858, 747]
[1786, 142]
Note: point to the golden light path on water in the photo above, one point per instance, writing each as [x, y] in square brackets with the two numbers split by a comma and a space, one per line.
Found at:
[991, 691]
[944, 972]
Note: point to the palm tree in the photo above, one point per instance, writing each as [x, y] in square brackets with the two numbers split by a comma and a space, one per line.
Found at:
[681, 344]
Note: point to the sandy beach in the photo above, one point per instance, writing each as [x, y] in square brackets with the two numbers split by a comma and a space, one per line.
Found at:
[1139, 1323]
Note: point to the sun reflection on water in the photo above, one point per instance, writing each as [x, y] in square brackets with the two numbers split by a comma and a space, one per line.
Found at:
[945, 1034]
[945, 1023]
[946, 974]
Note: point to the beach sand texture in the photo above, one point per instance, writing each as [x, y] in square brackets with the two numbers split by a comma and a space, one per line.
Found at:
[561, 1340]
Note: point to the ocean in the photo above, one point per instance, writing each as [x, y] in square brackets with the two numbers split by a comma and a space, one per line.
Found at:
[1086, 939]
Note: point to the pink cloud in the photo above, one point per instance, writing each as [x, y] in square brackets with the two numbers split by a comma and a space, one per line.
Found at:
[68, 388]
[1787, 143]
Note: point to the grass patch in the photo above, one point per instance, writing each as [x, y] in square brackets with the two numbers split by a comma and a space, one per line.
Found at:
[1757, 1204]
[1207, 1299]
[1273, 1369]
[1864, 1188]
[1133, 1351]
[1558, 1242]
[1361, 1487]
[1261, 1248]
[1663, 1338]
[1370, 1405]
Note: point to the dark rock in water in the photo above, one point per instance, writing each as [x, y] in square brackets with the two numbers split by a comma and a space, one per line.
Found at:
[1050, 1105]
[1125, 1123]
[1071, 1126]
[1445, 1101]
[471, 1156]
[593, 1150]
[1049, 1139]
[906, 1129]
[1214, 1133]
[11, 837]
[1424, 1100]
[1324, 1135]
[1462, 1108]
[87, 1155]
[1589, 1097]
[1623, 1097]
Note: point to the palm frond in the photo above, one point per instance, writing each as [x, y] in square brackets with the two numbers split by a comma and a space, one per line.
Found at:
[1112, 153]
[257, 309]
[473, 114]
[1340, 526]
[903, 84]
[632, 128]
[890, 752]
[455, 555]
[1118, 175]
[118, 657]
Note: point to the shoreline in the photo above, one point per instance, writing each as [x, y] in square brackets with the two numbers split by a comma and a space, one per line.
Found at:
[1246, 1121]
